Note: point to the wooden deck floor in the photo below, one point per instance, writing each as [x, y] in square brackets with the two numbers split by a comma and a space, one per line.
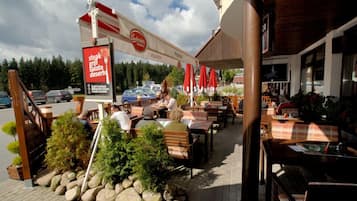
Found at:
[219, 179]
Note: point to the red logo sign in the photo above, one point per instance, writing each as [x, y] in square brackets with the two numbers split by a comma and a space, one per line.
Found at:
[138, 40]
[97, 66]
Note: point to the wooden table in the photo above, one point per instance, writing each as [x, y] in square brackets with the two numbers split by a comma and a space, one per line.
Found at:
[341, 165]
[198, 127]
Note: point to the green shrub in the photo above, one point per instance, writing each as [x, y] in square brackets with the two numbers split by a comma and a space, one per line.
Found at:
[201, 98]
[181, 99]
[14, 147]
[231, 91]
[151, 158]
[67, 148]
[17, 160]
[9, 128]
[113, 158]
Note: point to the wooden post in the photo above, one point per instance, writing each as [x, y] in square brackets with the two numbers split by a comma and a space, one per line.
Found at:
[18, 105]
[251, 107]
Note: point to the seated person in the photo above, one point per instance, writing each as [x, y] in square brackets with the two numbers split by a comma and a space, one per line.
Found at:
[176, 124]
[148, 118]
[121, 117]
[84, 119]
[170, 102]
[284, 103]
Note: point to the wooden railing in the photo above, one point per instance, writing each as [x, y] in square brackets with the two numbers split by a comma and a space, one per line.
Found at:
[32, 126]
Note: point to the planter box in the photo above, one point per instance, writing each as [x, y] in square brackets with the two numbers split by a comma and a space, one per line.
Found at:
[15, 172]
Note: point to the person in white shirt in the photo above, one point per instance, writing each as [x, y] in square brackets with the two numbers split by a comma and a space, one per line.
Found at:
[121, 117]
[171, 103]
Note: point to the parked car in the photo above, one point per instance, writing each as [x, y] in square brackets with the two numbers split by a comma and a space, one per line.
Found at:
[5, 100]
[38, 96]
[57, 96]
[130, 95]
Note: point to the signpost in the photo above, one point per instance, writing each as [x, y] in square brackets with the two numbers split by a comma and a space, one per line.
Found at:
[99, 84]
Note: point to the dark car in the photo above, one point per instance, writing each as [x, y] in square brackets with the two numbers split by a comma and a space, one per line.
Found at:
[57, 96]
[131, 95]
[38, 96]
[5, 100]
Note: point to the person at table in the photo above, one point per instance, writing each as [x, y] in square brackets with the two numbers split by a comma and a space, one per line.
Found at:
[148, 117]
[121, 117]
[171, 103]
[176, 124]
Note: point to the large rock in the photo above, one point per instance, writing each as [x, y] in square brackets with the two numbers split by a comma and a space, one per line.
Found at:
[80, 173]
[55, 182]
[45, 180]
[90, 194]
[106, 195]
[71, 176]
[151, 196]
[95, 181]
[133, 177]
[138, 186]
[71, 185]
[80, 181]
[73, 194]
[60, 190]
[109, 186]
[64, 178]
[128, 194]
[127, 183]
[118, 188]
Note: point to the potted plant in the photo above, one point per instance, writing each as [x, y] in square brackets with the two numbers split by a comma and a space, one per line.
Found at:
[15, 169]
[311, 106]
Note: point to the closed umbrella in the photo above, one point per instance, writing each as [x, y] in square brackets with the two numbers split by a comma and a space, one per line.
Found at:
[212, 84]
[186, 83]
[202, 85]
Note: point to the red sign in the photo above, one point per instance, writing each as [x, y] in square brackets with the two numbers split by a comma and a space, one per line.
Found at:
[97, 64]
[138, 40]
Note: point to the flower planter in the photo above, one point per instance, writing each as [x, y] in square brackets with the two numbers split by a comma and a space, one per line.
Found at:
[15, 172]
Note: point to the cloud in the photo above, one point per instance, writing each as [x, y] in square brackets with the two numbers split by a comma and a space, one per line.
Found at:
[45, 28]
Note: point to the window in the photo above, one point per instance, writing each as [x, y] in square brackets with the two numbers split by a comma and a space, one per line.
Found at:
[312, 70]
[349, 76]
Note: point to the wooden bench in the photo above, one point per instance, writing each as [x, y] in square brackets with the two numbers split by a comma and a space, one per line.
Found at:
[311, 132]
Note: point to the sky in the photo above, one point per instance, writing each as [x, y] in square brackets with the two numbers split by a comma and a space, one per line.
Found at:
[46, 28]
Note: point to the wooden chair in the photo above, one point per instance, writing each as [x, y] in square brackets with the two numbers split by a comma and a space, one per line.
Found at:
[179, 146]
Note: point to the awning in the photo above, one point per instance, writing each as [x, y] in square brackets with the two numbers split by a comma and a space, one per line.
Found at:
[130, 38]
[221, 51]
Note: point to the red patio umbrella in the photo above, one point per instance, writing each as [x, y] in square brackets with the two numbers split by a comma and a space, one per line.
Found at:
[186, 83]
[212, 79]
[202, 85]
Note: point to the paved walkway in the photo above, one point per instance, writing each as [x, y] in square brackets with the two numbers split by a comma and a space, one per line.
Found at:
[217, 180]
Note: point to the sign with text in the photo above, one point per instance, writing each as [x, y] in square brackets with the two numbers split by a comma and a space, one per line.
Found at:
[97, 73]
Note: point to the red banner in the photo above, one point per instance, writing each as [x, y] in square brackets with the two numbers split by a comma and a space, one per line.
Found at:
[97, 65]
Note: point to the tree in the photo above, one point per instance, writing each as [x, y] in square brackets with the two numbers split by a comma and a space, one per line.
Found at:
[228, 75]
[175, 77]
[3, 76]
